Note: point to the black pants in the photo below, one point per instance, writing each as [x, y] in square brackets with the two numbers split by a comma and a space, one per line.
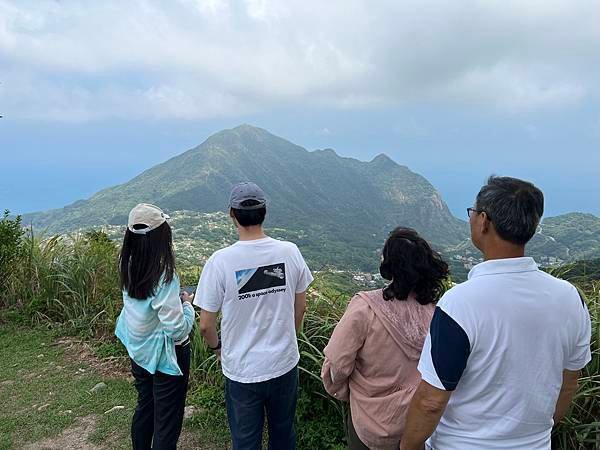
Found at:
[158, 415]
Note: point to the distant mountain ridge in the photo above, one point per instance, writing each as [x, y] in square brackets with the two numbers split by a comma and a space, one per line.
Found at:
[338, 209]
[339, 198]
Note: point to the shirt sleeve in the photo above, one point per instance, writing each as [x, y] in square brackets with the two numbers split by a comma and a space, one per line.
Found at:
[446, 349]
[177, 319]
[347, 339]
[211, 289]
[304, 276]
[581, 353]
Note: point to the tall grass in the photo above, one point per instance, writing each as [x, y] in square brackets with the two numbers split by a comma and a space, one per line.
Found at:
[72, 282]
[581, 428]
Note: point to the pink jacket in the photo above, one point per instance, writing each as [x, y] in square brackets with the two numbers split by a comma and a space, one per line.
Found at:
[371, 360]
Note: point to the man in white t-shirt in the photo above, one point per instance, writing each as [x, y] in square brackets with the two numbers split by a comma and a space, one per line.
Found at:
[502, 358]
[259, 284]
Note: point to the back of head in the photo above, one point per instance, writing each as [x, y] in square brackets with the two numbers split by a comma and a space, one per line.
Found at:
[144, 259]
[514, 207]
[250, 217]
[412, 266]
[247, 203]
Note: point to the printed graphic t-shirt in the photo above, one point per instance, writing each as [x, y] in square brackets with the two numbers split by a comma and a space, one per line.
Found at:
[501, 341]
[254, 284]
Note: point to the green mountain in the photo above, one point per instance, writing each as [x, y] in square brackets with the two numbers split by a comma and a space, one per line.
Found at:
[338, 210]
[333, 204]
[560, 240]
[569, 237]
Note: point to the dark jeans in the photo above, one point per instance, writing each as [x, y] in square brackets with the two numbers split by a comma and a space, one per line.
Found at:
[246, 407]
[161, 400]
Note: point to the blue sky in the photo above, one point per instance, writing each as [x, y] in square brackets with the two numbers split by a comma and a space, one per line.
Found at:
[454, 90]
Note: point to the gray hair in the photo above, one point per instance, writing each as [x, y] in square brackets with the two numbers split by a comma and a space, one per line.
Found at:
[514, 207]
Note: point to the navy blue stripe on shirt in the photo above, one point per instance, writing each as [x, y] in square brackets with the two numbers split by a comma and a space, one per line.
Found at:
[581, 298]
[450, 348]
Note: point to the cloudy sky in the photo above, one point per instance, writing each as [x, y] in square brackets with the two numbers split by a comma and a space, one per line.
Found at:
[92, 93]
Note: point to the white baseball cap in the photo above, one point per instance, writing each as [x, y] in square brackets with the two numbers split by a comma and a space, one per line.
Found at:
[146, 214]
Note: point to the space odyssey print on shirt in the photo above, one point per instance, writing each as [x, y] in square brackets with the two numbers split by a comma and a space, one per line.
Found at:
[254, 284]
[263, 280]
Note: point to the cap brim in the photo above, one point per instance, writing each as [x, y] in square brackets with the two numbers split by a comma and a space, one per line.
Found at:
[249, 208]
[139, 230]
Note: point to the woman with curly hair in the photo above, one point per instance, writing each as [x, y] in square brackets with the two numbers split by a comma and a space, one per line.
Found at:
[371, 359]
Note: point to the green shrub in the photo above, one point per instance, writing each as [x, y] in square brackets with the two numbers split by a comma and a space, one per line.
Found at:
[581, 428]
[189, 275]
[318, 422]
[11, 250]
[70, 281]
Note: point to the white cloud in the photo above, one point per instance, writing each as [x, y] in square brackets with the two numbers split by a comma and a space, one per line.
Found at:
[205, 58]
[514, 88]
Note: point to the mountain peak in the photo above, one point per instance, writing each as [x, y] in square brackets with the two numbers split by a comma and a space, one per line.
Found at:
[247, 127]
[244, 132]
[382, 158]
[327, 151]
[239, 135]
[247, 130]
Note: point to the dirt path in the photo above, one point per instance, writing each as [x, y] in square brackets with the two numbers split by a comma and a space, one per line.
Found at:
[73, 438]
[76, 437]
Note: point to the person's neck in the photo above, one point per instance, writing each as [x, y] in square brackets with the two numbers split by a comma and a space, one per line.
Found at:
[503, 250]
[251, 233]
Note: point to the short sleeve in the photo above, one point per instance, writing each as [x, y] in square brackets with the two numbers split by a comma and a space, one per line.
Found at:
[211, 289]
[580, 353]
[446, 349]
[304, 277]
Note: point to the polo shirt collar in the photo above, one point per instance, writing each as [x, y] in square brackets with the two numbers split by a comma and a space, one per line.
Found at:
[507, 265]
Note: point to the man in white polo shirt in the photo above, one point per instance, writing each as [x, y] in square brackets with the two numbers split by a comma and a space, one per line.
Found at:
[501, 361]
[259, 284]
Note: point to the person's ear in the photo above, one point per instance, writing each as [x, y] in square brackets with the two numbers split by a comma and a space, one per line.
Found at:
[484, 222]
[235, 222]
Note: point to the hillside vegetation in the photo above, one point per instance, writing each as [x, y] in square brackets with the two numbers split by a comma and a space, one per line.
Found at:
[338, 210]
[334, 201]
[70, 284]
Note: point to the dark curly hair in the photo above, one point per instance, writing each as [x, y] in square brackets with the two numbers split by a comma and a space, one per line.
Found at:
[412, 265]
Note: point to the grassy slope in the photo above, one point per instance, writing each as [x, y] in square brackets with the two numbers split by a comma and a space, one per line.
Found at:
[43, 392]
[35, 374]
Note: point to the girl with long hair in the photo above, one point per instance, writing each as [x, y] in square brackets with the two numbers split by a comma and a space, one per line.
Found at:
[154, 326]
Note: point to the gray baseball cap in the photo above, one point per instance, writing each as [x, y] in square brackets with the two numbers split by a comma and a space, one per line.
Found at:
[247, 191]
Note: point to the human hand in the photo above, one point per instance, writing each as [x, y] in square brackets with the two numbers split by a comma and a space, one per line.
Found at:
[185, 297]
